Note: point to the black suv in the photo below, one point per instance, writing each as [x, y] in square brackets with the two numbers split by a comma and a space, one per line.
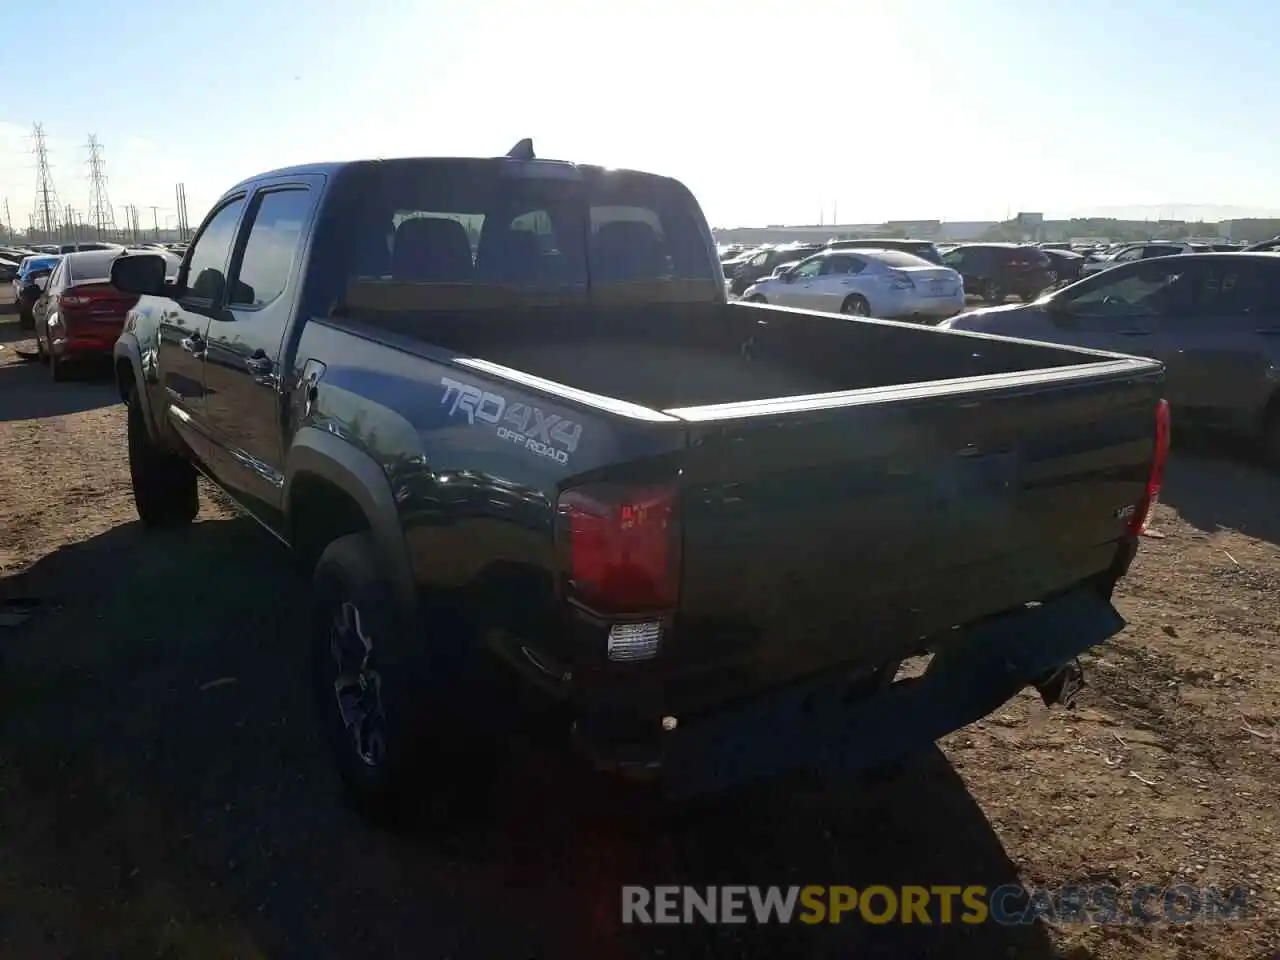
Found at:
[761, 264]
[995, 270]
[924, 249]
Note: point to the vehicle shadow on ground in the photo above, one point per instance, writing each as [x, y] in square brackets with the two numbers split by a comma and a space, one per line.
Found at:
[165, 796]
[27, 391]
[1214, 483]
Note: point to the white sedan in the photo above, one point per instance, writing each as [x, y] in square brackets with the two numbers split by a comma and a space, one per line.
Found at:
[865, 283]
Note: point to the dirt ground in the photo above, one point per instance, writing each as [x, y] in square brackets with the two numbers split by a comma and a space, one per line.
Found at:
[162, 794]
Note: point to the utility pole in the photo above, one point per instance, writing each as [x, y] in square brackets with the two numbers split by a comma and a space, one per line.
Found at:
[8, 219]
[46, 195]
[155, 221]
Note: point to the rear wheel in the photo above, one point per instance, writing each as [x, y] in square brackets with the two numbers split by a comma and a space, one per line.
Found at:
[856, 306]
[59, 368]
[164, 484]
[380, 709]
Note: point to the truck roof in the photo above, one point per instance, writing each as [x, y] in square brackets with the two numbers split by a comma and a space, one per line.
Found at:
[335, 166]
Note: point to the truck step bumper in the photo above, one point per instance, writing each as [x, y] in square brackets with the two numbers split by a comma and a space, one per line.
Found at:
[814, 728]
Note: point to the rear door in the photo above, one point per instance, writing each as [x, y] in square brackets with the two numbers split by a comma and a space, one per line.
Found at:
[836, 281]
[184, 321]
[1224, 342]
[243, 379]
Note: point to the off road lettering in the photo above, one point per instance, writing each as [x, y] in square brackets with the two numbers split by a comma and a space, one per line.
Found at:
[546, 434]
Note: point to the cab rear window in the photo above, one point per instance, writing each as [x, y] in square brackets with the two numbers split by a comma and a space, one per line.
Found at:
[548, 227]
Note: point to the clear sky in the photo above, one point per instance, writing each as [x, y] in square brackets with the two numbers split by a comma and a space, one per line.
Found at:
[771, 112]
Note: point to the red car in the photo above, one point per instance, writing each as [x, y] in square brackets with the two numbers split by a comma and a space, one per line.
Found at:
[79, 315]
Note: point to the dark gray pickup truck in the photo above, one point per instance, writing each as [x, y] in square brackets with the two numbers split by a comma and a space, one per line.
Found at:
[546, 480]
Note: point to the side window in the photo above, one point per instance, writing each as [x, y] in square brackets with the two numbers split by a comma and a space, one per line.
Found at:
[758, 260]
[1159, 250]
[1144, 289]
[809, 269]
[1133, 253]
[274, 238]
[953, 259]
[54, 283]
[1262, 298]
[842, 265]
[206, 277]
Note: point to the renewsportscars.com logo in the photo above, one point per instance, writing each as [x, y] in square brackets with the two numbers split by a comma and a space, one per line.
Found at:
[974, 904]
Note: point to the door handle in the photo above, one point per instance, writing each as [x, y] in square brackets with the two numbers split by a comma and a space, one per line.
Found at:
[263, 369]
[1268, 331]
[259, 364]
[194, 345]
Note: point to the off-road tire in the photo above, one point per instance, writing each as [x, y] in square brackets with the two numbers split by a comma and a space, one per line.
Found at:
[164, 484]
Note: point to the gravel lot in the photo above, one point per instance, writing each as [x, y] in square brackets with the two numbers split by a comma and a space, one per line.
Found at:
[162, 794]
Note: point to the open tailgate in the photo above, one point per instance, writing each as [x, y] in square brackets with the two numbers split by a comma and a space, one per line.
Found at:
[847, 529]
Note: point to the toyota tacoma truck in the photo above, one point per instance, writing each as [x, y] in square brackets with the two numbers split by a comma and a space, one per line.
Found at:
[546, 480]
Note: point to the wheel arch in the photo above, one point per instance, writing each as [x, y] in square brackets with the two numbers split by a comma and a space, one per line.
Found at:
[331, 489]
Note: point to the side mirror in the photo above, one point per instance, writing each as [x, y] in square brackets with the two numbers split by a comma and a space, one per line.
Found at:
[140, 273]
[785, 275]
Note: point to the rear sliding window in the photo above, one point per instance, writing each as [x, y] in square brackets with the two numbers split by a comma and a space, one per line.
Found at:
[447, 223]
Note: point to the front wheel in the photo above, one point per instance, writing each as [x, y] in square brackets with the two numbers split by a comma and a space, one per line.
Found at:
[992, 292]
[164, 484]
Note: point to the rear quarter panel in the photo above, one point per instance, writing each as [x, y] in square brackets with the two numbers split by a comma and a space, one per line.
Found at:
[475, 462]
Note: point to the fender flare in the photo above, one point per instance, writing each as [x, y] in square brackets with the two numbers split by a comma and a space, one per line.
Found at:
[317, 453]
[126, 348]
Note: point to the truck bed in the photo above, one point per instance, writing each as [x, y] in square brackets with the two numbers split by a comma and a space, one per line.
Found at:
[687, 355]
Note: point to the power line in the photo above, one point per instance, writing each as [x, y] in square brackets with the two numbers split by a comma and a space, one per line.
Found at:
[99, 206]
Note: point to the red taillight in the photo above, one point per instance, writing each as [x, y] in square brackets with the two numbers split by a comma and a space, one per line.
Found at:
[1155, 479]
[622, 551]
[96, 299]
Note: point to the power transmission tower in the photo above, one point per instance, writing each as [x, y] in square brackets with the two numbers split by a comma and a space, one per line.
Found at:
[8, 219]
[135, 227]
[155, 221]
[100, 214]
[46, 195]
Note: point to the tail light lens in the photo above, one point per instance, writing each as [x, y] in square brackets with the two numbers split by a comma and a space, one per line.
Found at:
[621, 546]
[1146, 506]
[900, 281]
[94, 301]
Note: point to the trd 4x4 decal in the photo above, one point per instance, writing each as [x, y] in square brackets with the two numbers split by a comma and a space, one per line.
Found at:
[546, 434]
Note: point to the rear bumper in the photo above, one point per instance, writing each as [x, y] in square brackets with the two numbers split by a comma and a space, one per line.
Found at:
[818, 726]
[96, 341]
